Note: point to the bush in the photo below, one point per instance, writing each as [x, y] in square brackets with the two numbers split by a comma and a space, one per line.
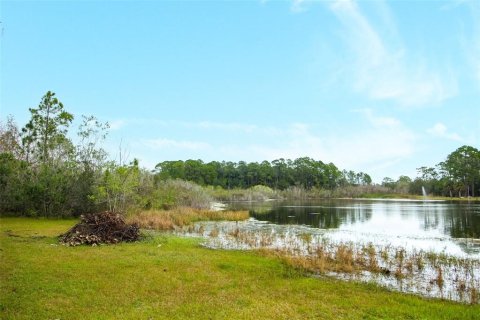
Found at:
[255, 193]
[180, 193]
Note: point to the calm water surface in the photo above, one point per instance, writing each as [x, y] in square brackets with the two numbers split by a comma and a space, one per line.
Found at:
[451, 227]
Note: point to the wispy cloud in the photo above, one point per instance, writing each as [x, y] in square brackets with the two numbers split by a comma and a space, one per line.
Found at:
[378, 121]
[298, 6]
[382, 68]
[165, 144]
[375, 145]
[470, 36]
[474, 54]
[384, 142]
[223, 126]
[117, 124]
[248, 128]
[440, 130]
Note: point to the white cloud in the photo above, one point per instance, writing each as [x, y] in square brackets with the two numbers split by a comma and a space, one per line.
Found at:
[247, 128]
[376, 144]
[474, 52]
[382, 69]
[224, 126]
[384, 143]
[378, 121]
[163, 144]
[117, 124]
[380, 147]
[298, 6]
[440, 130]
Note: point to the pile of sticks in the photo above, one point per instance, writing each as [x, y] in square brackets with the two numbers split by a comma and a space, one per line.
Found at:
[97, 228]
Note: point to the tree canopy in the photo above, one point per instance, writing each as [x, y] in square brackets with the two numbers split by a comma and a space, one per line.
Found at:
[278, 174]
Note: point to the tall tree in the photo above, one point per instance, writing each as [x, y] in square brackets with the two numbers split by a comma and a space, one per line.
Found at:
[463, 165]
[47, 127]
[51, 153]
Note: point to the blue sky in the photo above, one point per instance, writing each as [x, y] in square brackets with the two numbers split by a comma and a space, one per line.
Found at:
[382, 87]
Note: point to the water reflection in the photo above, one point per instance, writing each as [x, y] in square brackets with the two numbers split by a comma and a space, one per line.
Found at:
[397, 218]
[315, 216]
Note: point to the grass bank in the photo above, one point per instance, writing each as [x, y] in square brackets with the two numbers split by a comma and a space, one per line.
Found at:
[167, 277]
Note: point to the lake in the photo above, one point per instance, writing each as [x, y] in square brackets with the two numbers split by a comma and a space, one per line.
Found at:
[451, 227]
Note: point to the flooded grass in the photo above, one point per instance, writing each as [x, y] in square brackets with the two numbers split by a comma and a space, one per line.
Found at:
[428, 273]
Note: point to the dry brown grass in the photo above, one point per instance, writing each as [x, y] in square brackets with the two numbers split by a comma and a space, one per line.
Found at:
[182, 216]
[342, 260]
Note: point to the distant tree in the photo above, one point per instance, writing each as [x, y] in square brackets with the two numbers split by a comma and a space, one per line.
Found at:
[10, 140]
[463, 165]
[351, 177]
[280, 174]
[403, 184]
[388, 183]
[332, 176]
[427, 173]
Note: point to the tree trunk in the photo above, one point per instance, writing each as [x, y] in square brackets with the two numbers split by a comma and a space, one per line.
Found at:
[45, 136]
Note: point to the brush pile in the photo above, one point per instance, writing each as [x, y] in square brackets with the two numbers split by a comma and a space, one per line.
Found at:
[105, 227]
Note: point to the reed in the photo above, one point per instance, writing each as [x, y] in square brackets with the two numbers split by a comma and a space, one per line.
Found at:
[182, 216]
[439, 280]
[415, 270]
[474, 295]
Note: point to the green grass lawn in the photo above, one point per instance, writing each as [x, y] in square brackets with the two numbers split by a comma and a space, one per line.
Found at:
[168, 277]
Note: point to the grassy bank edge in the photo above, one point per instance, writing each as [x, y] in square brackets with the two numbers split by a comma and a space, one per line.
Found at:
[43, 280]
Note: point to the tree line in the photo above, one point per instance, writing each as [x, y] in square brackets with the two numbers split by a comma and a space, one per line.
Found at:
[457, 176]
[279, 174]
[44, 172]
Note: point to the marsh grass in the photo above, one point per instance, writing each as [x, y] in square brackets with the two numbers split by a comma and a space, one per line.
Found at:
[429, 273]
[439, 280]
[474, 296]
[181, 217]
